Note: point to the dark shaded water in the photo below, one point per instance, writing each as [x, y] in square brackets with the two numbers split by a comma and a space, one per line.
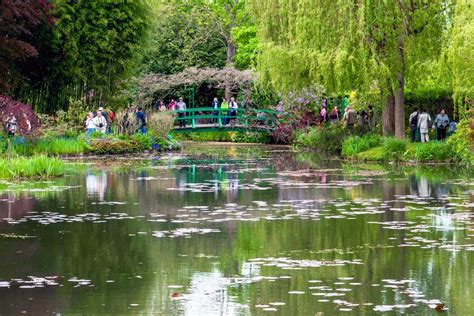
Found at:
[237, 231]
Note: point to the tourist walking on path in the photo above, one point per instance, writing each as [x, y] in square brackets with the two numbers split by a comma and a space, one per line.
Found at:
[162, 107]
[413, 121]
[100, 122]
[322, 115]
[452, 127]
[370, 116]
[90, 124]
[349, 118]
[11, 125]
[181, 108]
[141, 120]
[441, 124]
[172, 105]
[334, 115]
[424, 120]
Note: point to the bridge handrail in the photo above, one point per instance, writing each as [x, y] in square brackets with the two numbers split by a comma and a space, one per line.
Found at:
[245, 115]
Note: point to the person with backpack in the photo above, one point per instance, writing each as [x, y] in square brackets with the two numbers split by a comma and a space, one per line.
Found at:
[334, 115]
[349, 118]
[441, 124]
[424, 121]
[413, 121]
[141, 119]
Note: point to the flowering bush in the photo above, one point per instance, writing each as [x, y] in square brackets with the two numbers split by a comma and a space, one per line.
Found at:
[21, 111]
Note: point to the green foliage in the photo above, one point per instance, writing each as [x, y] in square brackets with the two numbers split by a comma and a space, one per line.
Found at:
[373, 154]
[38, 166]
[247, 46]
[461, 143]
[120, 144]
[93, 45]
[353, 145]
[328, 139]
[432, 151]
[184, 36]
[394, 149]
[46, 146]
[226, 136]
[461, 46]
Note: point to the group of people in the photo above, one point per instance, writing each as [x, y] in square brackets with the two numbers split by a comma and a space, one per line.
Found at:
[345, 114]
[228, 106]
[11, 124]
[99, 121]
[420, 122]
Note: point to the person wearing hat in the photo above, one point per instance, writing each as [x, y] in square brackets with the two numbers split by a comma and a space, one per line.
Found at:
[100, 122]
[181, 108]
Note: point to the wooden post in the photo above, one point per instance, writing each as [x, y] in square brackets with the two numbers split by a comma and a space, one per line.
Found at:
[9, 151]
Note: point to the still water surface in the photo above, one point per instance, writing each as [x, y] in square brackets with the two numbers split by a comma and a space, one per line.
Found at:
[239, 231]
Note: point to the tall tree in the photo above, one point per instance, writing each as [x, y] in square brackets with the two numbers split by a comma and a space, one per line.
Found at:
[93, 45]
[362, 45]
[18, 20]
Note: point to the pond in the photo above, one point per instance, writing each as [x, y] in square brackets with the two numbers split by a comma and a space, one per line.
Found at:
[237, 231]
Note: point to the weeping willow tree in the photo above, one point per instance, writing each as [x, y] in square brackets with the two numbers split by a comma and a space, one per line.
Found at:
[372, 47]
[460, 55]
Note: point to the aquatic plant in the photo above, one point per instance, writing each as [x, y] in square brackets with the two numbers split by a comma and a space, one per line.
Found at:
[353, 145]
[38, 166]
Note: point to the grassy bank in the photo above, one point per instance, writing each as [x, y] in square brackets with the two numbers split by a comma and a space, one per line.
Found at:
[24, 167]
[80, 144]
[354, 145]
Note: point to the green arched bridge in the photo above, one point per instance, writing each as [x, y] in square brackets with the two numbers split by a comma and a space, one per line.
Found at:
[206, 119]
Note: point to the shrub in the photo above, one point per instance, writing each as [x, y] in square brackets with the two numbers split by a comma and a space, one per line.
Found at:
[160, 123]
[461, 143]
[327, 139]
[226, 136]
[432, 151]
[394, 149]
[353, 145]
[39, 166]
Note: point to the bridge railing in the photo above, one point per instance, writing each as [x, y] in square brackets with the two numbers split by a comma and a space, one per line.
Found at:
[248, 118]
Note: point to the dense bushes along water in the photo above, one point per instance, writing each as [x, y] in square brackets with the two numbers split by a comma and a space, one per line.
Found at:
[335, 140]
[95, 144]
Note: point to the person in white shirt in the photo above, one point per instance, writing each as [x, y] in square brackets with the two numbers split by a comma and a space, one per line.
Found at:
[89, 122]
[100, 122]
[424, 120]
[181, 108]
[232, 112]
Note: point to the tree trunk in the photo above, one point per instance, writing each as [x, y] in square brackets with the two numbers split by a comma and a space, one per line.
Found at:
[388, 113]
[400, 107]
[229, 63]
[399, 93]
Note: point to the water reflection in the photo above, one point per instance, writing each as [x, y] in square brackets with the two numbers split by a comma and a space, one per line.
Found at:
[261, 226]
[96, 184]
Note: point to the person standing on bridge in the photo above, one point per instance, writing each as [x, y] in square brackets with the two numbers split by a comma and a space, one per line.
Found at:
[223, 110]
[232, 113]
[215, 113]
[181, 108]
